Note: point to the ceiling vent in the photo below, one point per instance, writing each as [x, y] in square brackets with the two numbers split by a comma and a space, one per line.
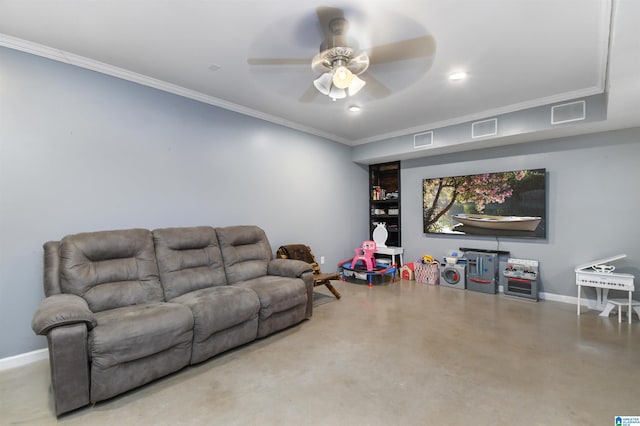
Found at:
[422, 140]
[565, 113]
[484, 128]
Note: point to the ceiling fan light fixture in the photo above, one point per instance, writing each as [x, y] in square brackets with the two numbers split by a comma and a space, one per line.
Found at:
[356, 84]
[337, 93]
[327, 86]
[324, 83]
[342, 77]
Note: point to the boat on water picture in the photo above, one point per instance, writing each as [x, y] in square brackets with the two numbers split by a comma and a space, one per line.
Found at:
[509, 204]
[515, 223]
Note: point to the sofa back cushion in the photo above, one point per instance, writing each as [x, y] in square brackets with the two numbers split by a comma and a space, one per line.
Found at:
[110, 269]
[188, 259]
[246, 252]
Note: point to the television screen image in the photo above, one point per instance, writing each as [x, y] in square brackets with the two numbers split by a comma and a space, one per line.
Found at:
[500, 204]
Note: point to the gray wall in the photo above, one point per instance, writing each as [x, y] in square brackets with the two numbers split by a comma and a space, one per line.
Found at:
[80, 151]
[592, 201]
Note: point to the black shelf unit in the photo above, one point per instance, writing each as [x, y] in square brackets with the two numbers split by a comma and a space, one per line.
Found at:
[384, 200]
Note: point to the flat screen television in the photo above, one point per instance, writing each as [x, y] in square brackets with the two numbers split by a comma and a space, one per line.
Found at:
[499, 204]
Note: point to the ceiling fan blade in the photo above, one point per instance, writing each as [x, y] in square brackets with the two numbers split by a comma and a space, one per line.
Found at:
[310, 95]
[278, 61]
[374, 87]
[402, 50]
[359, 63]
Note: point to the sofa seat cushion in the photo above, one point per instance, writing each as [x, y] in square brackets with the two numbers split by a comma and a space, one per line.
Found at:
[218, 308]
[276, 294]
[134, 332]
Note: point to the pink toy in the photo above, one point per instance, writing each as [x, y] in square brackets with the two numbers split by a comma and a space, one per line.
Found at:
[365, 253]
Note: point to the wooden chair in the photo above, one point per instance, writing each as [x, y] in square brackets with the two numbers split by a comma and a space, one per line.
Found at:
[304, 253]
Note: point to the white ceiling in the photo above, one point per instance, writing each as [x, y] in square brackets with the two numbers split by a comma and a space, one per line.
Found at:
[517, 53]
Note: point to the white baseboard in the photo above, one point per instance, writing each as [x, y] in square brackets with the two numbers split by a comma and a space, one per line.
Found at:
[573, 300]
[23, 359]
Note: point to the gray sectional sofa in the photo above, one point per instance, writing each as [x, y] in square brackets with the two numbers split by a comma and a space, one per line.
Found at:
[126, 307]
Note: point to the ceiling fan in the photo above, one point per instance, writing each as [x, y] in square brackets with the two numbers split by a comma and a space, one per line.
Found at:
[341, 67]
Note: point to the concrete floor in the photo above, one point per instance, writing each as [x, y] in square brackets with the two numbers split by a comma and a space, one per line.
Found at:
[398, 354]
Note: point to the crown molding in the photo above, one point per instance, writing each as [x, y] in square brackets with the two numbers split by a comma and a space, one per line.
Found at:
[121, 73]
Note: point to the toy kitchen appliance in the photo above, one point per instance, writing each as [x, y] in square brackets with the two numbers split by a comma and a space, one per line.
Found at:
[482, 268]
[454, 270]
[522, 278]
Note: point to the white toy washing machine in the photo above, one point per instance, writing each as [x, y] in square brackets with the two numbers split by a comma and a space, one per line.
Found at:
[454, 275]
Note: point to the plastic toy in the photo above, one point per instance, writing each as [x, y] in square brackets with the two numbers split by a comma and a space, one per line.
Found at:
[365, 253]
[370, 268]
[363, 274]
[427, 258]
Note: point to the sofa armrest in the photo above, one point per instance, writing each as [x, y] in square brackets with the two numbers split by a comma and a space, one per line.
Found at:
[59, 310]
[69, 367]
[288, 268]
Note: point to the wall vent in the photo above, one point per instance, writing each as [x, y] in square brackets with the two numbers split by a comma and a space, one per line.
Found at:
[484, 128]
[422, 140]
[565, 113]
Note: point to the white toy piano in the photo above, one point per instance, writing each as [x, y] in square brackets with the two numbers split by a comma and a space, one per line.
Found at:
[600, 275]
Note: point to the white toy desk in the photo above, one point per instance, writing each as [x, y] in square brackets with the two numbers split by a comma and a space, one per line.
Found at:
[392, 251]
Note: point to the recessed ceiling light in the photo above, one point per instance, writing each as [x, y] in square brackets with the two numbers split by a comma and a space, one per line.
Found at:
[460, 75]
[354, 108]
